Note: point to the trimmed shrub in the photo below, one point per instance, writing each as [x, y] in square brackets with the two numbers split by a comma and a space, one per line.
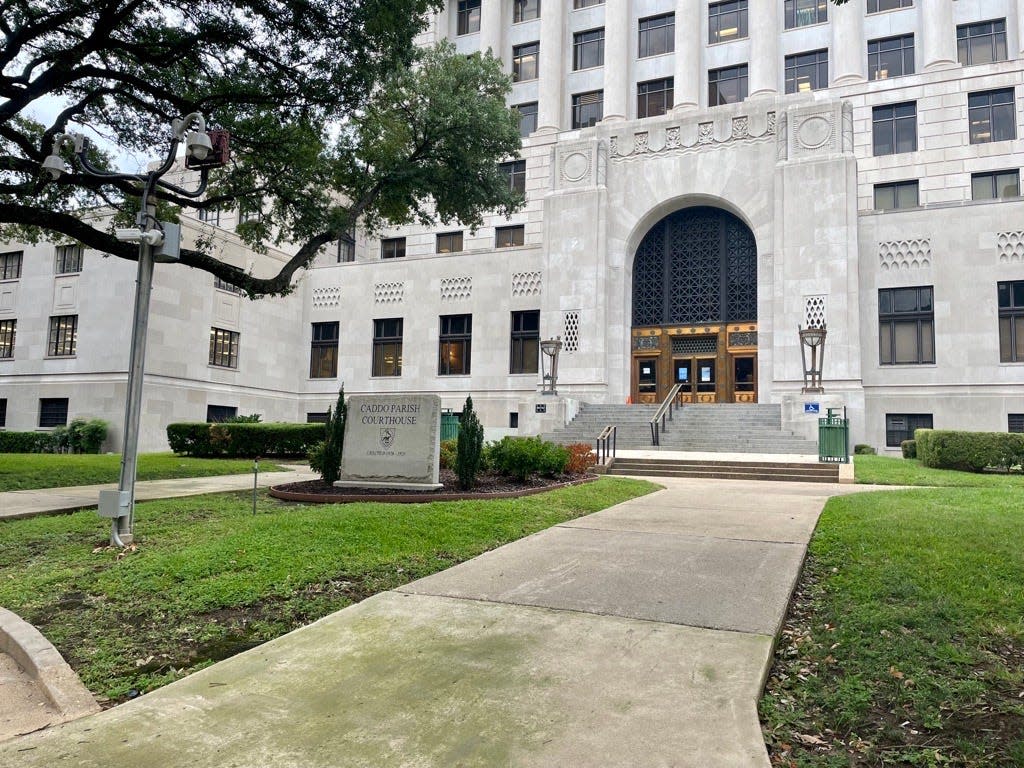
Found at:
[581, 458]
[245, 440]
[23, 442]
[969, 451]
[252, 418]
[469, 446]
[909, 448]
[520, 457]
[449, 450]
[862, 449]
[86, 436]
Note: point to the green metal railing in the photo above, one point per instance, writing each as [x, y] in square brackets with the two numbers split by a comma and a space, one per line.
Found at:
[834, 438]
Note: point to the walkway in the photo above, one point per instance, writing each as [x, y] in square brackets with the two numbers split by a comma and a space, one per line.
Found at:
[639, 635]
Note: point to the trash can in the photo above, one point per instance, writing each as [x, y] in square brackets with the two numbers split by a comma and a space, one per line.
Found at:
[449, 426]
[834, 438]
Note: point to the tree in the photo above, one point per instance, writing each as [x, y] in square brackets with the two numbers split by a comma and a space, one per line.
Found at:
[334, 116]
[470, 447]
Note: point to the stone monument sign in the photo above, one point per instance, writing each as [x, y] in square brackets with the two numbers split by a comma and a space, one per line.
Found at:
[392, 441]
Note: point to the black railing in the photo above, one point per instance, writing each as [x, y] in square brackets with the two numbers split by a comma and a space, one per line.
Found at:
[664, 414]
[607, 438]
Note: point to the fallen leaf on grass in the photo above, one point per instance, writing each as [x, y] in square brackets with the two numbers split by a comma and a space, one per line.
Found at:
[811, 741]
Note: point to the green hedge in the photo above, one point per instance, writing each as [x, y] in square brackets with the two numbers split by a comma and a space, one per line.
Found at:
[24, 442]
[244, 439]
[520, 457]
[969, 451]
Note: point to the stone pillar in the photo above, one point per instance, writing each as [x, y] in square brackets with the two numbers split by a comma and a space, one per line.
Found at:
[763, 25]
[849, 50]
[687, 75]
[492, 27]
[552, 32]
[616, 59]
[939, 35]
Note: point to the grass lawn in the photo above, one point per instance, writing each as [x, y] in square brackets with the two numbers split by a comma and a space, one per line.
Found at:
[210, 579]
[904, 645]
[887, 470]
[25, 471]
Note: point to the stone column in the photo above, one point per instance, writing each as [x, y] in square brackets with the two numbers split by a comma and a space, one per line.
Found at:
[939, 35]
[552, 32]
[687, 75]
[492, 27]
[763, 28]
[616, 59]
[849, 50]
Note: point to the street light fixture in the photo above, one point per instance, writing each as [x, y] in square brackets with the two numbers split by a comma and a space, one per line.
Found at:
[812, 339]
[158, 241]
[549, 365]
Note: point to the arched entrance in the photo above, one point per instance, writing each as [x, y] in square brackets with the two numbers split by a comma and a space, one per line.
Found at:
[695, 309]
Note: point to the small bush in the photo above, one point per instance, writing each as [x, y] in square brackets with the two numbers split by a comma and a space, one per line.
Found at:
[469, 447]
[520, 457]
[969, 451]
[23, 442]
[316, 457]
[862, 449]
[909, 448]
[581, 458]
[449, 451]
[91, 435]
[244, 439]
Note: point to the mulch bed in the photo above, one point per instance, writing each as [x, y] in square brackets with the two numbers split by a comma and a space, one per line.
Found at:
[488, 486]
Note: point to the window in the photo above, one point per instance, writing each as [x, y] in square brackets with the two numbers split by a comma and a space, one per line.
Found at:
[347, 246]
[449, 242]
[516, 172]
[525, 61]
[317, 417]
[587, 109]
[387, 347]
[527, 118]
[991, 118]
[513, 420]
[654, 97]
[657, 35]
[468, 17]
[3, 411]
[1014, 422]
[210, 216]
[10, 265]
[525, 10]
[727, 21]
[249, 213]
[894, 128]
[219, 413]
[1011, 321]
[802, 13]
[392, 248]
[588, 49]
[8, 331]
[807, 71]
[901, 426]
[63, 336]
[899, 194]
[224, 285]
[981, 43]
[877, 6]
[53, 411]
[525, 341]
[323, 351]
[507, 237]
[577, 4]
[223, 348]
[453, 349]
[727, 86]
[69, 259]
[890, 57]
[994, 185]
[906, 326]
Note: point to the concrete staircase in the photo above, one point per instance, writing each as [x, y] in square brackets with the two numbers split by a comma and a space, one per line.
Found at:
[726, 427]
[727, 470]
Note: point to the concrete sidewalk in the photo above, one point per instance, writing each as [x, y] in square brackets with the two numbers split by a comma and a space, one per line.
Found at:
[18, 504]
[636, 636]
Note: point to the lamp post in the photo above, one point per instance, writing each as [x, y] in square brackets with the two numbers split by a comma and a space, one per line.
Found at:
[549, 365]
[813, 339]
[158, 241]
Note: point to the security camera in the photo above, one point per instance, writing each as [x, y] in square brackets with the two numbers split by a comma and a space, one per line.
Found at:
[199, 145]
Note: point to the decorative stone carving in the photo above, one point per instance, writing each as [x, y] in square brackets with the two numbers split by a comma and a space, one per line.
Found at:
[782, 144]
[526, 284]
[689, 136]
[580, 164]
[326, 298]
[388, 293]
[645, 342]
[641, 143]
[672, 138]
[814, 132]
[740, 127]
[705, 133]
[905, 254]
[575, 166]
[847, 127]
[814, 311]
[1010, 246]
[456, 288]
[571, 331]
[743, 339]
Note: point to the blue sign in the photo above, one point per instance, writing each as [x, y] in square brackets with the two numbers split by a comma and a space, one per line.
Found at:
[812, 408]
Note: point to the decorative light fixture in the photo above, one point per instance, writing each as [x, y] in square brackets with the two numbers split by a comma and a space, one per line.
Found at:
[549, 364]
[813, 339]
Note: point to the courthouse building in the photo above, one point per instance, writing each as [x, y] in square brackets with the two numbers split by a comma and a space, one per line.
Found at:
[701, 180]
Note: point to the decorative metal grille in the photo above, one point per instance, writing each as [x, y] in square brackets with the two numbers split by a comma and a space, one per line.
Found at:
[571, 331]
[645, 342]
[694, 345]
[814, 311]
[697, 265]
[743, 339]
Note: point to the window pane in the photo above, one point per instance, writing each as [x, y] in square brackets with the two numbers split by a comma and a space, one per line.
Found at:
[927, 342]
[981, 187]
[885, 343]
[1008, 184]
[1005, 340]
[905, 340]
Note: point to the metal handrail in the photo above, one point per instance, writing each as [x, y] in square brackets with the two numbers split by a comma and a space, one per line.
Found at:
[664, 412]
[609, 433]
